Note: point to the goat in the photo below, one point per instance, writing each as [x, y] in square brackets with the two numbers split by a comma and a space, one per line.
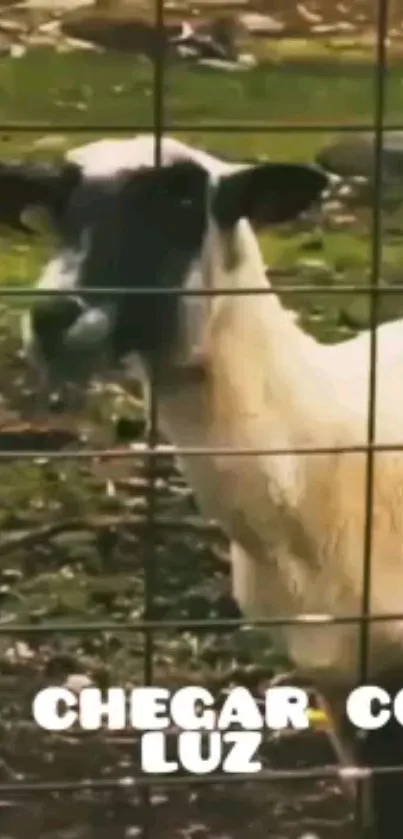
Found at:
[237, 371]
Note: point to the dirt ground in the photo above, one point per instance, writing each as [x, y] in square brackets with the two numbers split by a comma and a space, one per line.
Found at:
[229, 811]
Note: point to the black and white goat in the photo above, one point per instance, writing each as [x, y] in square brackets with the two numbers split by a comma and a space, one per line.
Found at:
[237, 371]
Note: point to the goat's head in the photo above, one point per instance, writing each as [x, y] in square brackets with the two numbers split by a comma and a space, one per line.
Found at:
[127, 224]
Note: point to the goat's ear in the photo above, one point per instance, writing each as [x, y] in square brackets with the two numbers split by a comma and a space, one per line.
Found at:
[270, 193]
[26, 185]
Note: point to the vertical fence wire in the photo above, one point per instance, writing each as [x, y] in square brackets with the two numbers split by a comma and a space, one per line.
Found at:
[152, 435]
[150, 569]
[376, 268]
[362, 812]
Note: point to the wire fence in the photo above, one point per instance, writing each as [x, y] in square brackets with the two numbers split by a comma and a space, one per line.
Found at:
[152, 450]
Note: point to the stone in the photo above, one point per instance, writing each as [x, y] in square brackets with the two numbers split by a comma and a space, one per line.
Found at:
[76, 682]
[50, 142]
[353, 156]
[257, 24]
[341, 222]
[12, 27]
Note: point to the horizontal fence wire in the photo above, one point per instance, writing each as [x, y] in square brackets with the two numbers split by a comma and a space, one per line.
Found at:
[139, 450]
[128, 782]
[295, 288]
[305, 620]
[198, 128]
[153, 450]
[266, 775]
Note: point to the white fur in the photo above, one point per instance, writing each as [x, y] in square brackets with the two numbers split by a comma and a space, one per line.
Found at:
[296, 521]
[108, 157]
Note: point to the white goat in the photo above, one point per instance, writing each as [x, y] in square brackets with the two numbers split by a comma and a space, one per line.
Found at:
[296, 522]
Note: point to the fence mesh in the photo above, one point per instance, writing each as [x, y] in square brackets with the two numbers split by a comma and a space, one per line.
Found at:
[153, 450]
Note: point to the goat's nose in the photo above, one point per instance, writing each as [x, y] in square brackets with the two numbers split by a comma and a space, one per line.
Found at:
[50, 319]
[66, 343]
[43, 329]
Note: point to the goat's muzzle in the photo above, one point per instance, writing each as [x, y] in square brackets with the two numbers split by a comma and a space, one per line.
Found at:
[65, 342]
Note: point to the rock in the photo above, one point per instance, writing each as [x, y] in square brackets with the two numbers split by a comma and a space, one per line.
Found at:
[308, 15]
[50, 142]
[333, 208]
[214, 5]
[354, 155]
[52, 27]
[228, 66]
[124, 35]
[39, 40]
[18, 50]
[213, 45]
[76, 682]
[246, 61]
[73, 44]
[345, 191]
[257, 24]
[324, 29]
[344, 44]
[20, 651]
[341, 222]
[345, 26]
[60, 5]
[11, 27]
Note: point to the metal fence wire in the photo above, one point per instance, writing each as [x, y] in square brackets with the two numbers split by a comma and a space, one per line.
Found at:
[152, 450]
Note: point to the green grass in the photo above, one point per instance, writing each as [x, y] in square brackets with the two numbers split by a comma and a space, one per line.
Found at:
[114, 90]
[83, 89]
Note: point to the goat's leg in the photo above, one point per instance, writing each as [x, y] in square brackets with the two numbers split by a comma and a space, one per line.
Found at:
[250, 577]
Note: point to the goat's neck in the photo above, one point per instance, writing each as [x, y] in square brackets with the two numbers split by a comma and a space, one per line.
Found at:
[259, 366]
[263, 385]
